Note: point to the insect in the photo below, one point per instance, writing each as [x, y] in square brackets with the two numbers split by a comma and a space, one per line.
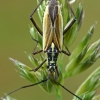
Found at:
[52, 40]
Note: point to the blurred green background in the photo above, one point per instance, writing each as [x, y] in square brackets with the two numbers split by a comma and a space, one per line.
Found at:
[15, 39]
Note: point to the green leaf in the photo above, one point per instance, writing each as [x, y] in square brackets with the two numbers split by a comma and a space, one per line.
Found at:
[83, 56]
[25, 71]
[91, 83]
[79, 16]
[86, 63]
[83, 43]
[74, 63]
[93, 47]
[87, 95]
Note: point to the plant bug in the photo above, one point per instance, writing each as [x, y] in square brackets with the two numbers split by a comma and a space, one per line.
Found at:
[53, 37]
[52, 40]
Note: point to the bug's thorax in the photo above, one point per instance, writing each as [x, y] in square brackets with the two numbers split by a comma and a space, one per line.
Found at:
[52, 25]
[52, 55]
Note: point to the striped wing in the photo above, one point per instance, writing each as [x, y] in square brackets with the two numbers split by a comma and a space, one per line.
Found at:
[52, 27]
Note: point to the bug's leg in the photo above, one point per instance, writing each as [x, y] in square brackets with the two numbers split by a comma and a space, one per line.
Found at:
[72, 21]
[33, 21]
[36, 52]
[39, 66]
[23, 87]
[66, 52]
[35, 45]
[67, 90]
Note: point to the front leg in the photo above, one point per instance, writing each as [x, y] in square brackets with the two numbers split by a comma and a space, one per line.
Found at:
[33, 21]
[72, 21]
[66, 52]
[36, 52]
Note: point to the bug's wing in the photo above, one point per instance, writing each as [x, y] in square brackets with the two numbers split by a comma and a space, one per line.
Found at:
[52, 27]
[47, 36]
[58, 30]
